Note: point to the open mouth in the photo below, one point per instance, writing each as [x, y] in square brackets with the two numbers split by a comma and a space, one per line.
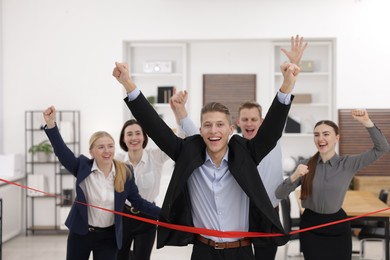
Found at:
[214, 139]
[250, 131]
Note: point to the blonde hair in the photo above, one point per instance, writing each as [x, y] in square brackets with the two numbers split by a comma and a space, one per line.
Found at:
[121, 174]
[121, 171]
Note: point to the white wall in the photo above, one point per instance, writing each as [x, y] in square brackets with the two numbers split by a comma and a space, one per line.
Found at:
[229, 56]
[62, 52]
[1, 80]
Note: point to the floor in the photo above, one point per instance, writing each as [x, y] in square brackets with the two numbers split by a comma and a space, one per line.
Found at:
[49, 247]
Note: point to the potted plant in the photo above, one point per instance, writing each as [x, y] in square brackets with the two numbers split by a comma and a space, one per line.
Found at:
[43, 150]
[152, 100]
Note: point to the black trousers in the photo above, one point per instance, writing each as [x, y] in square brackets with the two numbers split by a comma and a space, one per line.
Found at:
[102, 244]
[202, 251]
[141, 233]
[267, 252]
[331, 242]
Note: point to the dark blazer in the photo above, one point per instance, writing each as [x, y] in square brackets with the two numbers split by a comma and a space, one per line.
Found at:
[190, 153]
[80, 167]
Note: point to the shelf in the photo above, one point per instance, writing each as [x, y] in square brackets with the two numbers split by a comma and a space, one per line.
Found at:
[161, 105]
[34, 129]
[156, 44]
[62, 205]
[36, 162]
[156, 75]
[48, 175]
[310, 105]
[43, 196]
[305, 74]
[72, 143]
[64, 173]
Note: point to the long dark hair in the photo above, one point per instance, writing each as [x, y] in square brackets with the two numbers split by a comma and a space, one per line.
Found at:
[122, 135]
[307, 180]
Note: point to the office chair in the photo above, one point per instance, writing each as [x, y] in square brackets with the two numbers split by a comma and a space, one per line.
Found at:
[288, 223]
[374, 230]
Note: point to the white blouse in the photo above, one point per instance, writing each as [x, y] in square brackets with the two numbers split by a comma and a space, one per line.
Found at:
[147, 172]
[99, 191]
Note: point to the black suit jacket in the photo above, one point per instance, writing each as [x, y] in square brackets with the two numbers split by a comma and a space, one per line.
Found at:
[190, 153]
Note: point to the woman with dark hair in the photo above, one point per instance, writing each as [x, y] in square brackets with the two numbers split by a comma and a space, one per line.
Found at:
[324, 180]
[148, 166]
[101, 181]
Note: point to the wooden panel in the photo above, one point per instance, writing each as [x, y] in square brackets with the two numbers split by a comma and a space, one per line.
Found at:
[355, 139]
[229, 89]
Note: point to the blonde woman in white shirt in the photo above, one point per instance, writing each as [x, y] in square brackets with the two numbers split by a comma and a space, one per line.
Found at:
[148, 166]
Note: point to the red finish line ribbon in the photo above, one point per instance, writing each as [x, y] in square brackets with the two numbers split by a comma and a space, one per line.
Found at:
[201, 231]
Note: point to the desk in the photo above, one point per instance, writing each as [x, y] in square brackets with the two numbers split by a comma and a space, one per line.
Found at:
[358, 203]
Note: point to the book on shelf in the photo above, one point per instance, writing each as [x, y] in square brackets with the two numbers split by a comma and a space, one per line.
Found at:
[164, 93]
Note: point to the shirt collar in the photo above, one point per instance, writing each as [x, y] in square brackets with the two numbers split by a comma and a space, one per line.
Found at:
[95, 168]
[144, 158]
[332, 161]
[224, 159]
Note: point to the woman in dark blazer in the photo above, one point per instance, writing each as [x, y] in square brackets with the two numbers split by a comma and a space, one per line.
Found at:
[100, 181]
